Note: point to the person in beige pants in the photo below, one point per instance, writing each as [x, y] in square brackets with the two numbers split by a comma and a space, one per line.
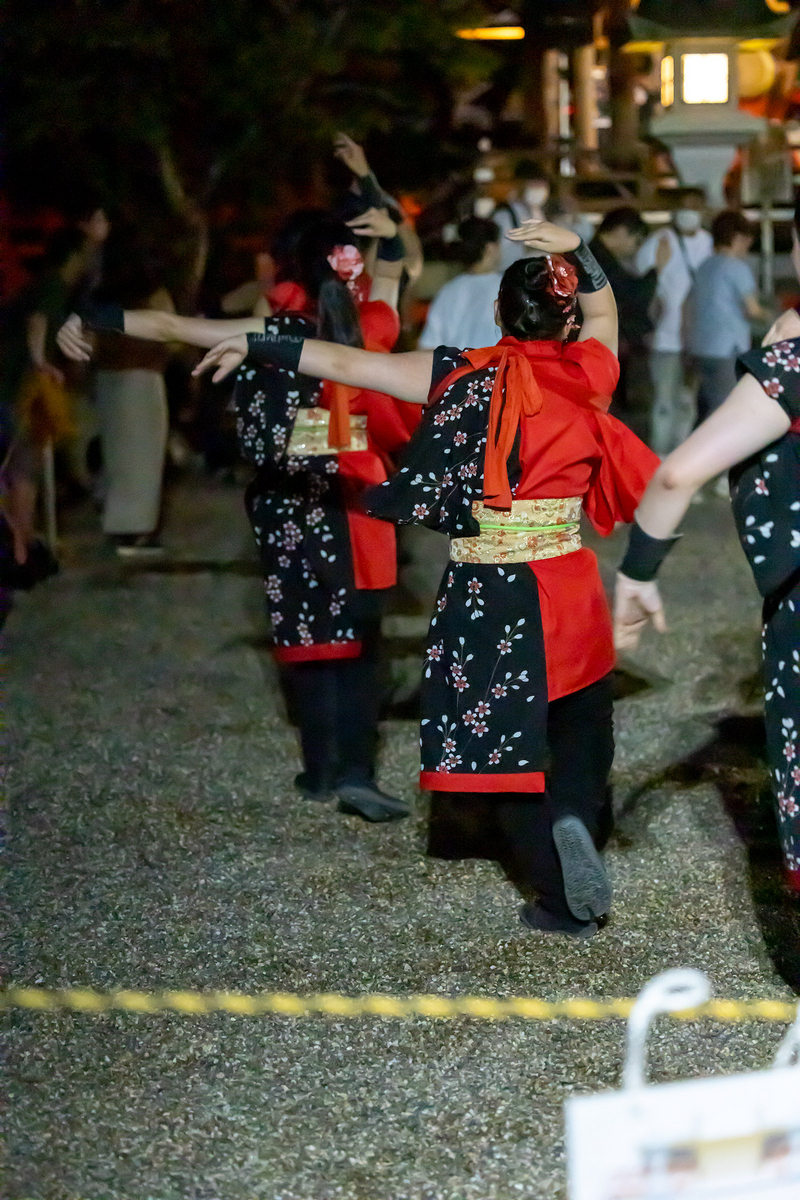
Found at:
[134, 424]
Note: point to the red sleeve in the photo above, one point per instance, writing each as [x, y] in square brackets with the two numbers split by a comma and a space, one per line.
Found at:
[380, 324]
[600, 366]
[626, 467]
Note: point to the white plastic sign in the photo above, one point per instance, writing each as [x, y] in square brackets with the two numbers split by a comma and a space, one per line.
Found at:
[733, 1137]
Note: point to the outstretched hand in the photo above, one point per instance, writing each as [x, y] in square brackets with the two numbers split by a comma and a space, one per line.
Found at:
[72, 341]
[545, 237]
[635, 605]
[225, 356]
[375, 222]
[351, 154]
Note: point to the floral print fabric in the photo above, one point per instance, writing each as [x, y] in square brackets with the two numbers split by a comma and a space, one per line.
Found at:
[298, 512]
[765, 491]
[484, 682]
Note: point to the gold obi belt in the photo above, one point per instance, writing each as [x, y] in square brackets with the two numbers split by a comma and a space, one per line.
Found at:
[528, 531]
[310, 433]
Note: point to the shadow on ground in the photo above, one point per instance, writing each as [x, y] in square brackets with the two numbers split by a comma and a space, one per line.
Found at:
[734, 761]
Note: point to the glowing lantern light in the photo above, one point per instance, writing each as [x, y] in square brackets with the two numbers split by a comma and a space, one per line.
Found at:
[705, 78]
[667, 81]
[492, 33]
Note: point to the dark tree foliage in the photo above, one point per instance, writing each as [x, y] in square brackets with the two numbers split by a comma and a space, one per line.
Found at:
[181, 105]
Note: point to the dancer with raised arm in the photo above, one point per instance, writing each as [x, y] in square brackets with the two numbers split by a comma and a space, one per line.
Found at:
[755, 434]
[315, 446]
[515, 441]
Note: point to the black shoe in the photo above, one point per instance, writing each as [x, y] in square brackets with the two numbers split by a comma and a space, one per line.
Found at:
[586, 884]
[320, 794]
[368, 801]
[536, 917]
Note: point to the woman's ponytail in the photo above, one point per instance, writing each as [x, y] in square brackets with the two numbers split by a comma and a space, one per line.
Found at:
[337, 315]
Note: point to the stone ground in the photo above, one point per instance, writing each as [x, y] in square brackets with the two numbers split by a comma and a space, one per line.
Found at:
[156, 842]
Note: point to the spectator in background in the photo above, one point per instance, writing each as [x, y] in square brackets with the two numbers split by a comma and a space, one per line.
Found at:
[619, 235]
[688, 245]
[462, 312]
[723, 301]
[30, 361]
[132, 406]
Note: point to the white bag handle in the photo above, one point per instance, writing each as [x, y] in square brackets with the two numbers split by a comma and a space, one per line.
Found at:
[788, 1054]
[671, 991]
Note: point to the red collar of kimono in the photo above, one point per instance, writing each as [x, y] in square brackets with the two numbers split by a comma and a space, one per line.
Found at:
[515, 394]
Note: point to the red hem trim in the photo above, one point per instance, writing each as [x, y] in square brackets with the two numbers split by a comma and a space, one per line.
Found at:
[793, 881]
[449, 781]
[290, 654]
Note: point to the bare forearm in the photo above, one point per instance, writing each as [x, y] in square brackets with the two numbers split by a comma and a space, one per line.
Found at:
[663, 505]
[747, 422]
[37, 338]
[406, 376]
[599, 311]
[194, 331]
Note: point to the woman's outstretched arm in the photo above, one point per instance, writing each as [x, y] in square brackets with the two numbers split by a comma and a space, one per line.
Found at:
[156, 327]
[747, 422]
[406, 376]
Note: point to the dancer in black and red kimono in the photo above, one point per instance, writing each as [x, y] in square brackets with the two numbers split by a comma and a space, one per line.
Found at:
[515, 441]
[316, 446]
[756, 435]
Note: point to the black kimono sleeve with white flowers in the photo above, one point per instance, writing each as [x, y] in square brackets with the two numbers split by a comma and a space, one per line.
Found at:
[765, 489]
[766, 505]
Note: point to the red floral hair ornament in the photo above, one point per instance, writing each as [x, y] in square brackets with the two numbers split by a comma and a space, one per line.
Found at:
[347, 262]
[563, 281]
[562, 284]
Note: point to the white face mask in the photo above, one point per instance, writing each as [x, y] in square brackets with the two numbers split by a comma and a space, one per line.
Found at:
[484, 206]
[535, 195]
[688, 220]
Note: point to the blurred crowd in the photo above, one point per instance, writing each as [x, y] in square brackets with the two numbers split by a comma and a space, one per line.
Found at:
[686, 293]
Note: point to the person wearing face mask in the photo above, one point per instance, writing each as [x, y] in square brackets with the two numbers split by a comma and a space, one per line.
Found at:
[509, 197]
[618, 237]
[462, 312]
[676, 253]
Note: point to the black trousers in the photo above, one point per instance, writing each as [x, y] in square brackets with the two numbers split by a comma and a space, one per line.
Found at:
[580, 737]
[336, 705]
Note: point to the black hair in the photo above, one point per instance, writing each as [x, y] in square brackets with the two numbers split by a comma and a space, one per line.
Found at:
[288, 238]
[474, 235]
[624, 218]
[727, 224]
[526, 308]
[132, 269]
[61, 247]
[337, 315]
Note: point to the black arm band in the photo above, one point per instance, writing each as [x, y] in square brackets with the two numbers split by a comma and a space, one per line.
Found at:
[276, 350]
[370, 190]
[102, 316]
[645, 554]
[391, 249]
[591, 276]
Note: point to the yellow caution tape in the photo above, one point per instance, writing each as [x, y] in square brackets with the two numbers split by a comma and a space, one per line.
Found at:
[484, 1008]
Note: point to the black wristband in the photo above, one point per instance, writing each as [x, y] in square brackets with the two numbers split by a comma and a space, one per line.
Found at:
[276, 350]
[591, 276]
[109, 317]
[370, 191]
[391, 249]
[645, 554]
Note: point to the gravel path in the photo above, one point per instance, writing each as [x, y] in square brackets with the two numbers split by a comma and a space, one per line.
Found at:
[156, 843]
